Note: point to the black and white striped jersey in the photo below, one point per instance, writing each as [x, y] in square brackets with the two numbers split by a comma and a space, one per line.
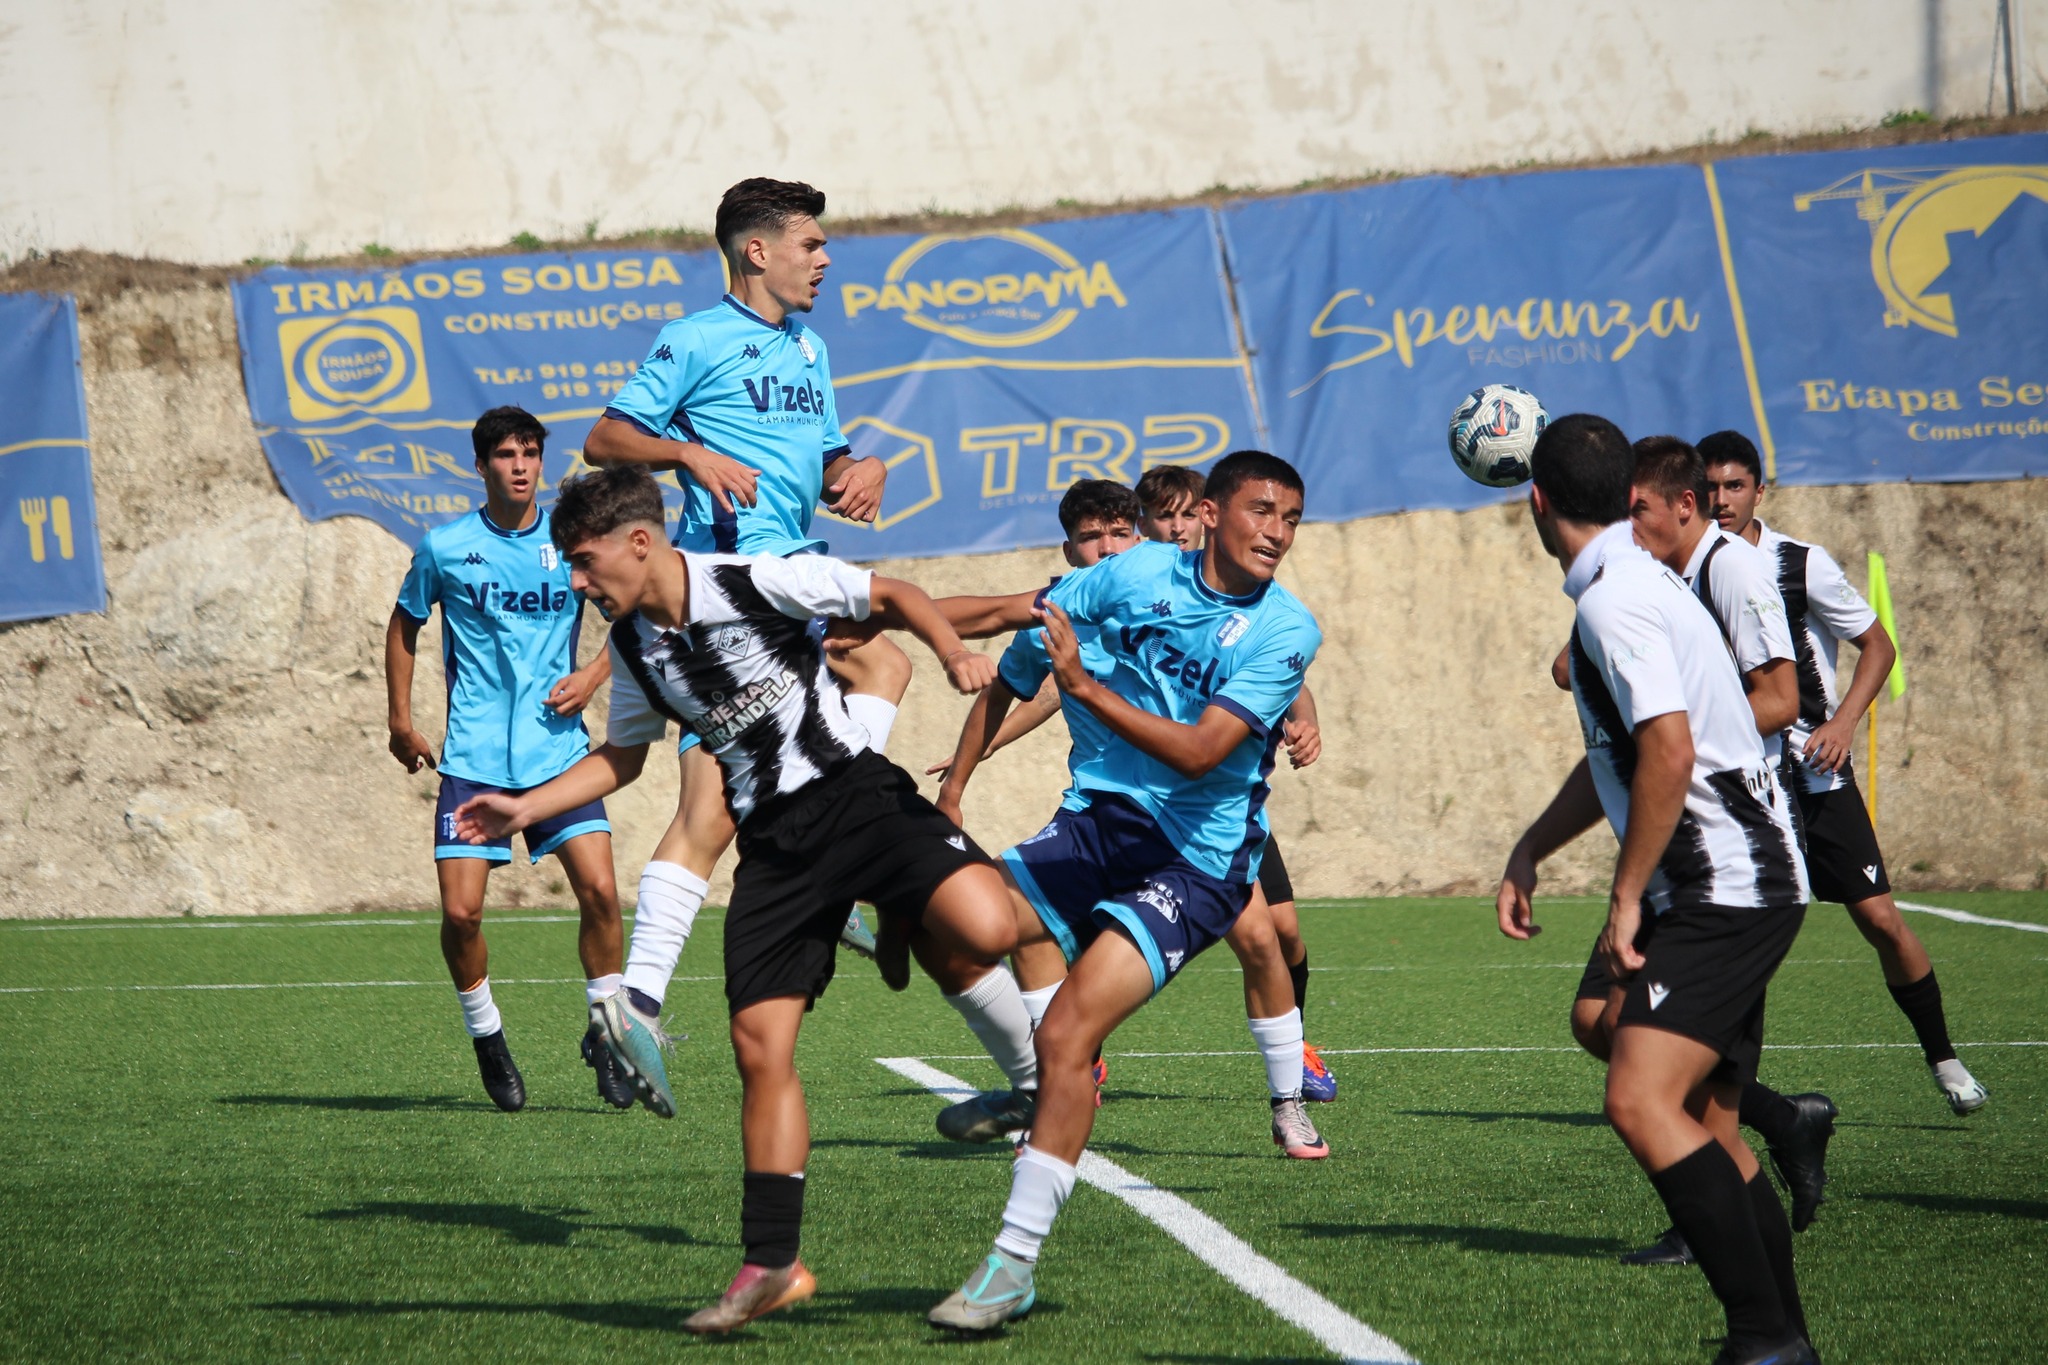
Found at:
[1739, 585]
[1823, 609]
[1644, 646]
[746, 673]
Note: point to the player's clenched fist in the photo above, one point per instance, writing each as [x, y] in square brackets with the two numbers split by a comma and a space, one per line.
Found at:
[969, 672]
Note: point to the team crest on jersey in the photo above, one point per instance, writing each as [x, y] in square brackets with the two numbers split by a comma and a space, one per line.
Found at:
[1160, 897]
[550, 558]
[803, 343]
[1233, 629]
[729, 640]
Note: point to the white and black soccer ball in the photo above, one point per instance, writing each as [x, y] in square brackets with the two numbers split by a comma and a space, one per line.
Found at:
[1492, 433]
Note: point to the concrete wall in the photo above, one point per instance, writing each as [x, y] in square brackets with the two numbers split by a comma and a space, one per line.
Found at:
[215, 130]
[215, 742]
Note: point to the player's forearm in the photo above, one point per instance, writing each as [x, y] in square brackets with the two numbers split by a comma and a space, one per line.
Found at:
[1190, 750]
[614, 442]
[1656, 799]
[977, 618]
[1304, 708]
[591, 778]
[1873, 666]
[1574, 810]
[401, 649]
[1773, 695]
[984, 719]
[904, 606]
[1028, 717]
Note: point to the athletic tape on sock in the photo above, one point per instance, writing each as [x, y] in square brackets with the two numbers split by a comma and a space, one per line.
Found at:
[1037, 1002]
[1279, 1041]
[994, 1010]
[1039, 1185]
[479, 1012]
[873, 714]
[670, 896]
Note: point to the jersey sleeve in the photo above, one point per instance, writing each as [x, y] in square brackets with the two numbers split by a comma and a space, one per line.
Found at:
[1266, 684]
[1830, 596]
[1747, 595]
[804, 586]
[1630, 645]
[632, 720]
[1025, 664]
[654, 397]
[422, 586]
[835, 443]
[1092, 593]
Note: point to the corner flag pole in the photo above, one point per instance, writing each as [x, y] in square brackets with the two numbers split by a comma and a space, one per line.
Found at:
[1881, 603]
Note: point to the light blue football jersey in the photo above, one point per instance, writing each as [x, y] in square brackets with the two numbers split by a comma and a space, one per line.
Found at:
[508, 635]
[1024, 667]
[728, 381]
[1178, 647]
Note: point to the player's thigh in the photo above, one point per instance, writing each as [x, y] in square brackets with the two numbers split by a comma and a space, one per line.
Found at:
[462, 882]
[1653, 1068]
[764, 1034]
[1252, 937]
[587, 862]
[971, 912]
[878, 668]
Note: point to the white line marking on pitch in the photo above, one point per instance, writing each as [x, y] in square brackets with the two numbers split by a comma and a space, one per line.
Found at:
[1392, 1051]
[1965, 917]
[1215, 1245]
[309, 985]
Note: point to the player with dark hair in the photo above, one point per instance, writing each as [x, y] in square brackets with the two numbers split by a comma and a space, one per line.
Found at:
[1170, 495]
[1842, 855]
[509, 624]
[723, 645]
[1206, 654]
[1708, 889]
[739, 398]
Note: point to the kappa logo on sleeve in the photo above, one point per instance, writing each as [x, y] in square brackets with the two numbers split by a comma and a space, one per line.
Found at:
[662, 352]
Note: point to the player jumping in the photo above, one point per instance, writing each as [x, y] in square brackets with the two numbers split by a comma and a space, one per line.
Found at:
[509, 623]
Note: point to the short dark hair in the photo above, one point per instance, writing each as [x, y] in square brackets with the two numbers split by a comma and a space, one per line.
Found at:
[493, 427]
[753, 205]
[1732, 447]
[1671, 467]
[1098, 500]
[1584, 465]
[1164, 485]
[1241, 467]
[593, 505]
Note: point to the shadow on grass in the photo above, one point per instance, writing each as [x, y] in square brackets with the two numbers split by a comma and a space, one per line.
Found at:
[921, 1151]
[552, 1227]
[368, 1104]
[1489, 1116]
[1505, 1241]
[1963, 1203]
[831, 1306]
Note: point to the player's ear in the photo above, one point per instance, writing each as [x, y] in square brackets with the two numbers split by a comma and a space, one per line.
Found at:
[1210, 514]
[1540, 505]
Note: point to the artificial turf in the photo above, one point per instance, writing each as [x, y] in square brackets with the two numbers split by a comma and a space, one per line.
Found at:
[314, 1173]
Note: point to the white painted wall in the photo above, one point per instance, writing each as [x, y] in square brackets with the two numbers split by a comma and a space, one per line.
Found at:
[213, 130]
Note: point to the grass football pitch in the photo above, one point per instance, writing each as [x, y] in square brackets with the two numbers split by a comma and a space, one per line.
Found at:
[265, 1140]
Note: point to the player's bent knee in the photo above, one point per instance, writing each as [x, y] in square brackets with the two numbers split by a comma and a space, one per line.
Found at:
[1588, 1029]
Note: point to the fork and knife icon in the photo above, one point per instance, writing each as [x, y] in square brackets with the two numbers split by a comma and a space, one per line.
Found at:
[56, 514]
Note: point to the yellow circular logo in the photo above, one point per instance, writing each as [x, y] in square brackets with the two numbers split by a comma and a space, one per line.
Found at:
[355, 362]
[1909, 250]
[1021, 303]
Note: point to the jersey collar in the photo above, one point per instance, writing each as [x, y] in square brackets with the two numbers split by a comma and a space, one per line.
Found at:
[483, 515]
[1616, 539]
[1192, 561]
[1708, 539]
[752, 316]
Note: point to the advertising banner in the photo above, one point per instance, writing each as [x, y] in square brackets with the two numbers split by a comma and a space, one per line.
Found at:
[49, 530]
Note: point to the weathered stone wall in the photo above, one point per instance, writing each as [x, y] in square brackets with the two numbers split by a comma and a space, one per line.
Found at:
[215, 742]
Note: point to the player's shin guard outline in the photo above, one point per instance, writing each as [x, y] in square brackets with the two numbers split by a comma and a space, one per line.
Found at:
[670, 896]
[1279, 1041]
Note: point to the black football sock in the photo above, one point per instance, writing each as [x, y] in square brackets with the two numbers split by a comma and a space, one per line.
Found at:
[771, 1218]
[1766, 1112]
[1776, 1231]
[1704, 1194]
[1920, 1002]
[1299, 974]
[644, 1002]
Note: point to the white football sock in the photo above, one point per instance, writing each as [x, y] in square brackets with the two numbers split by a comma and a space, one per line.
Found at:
[1039, 1184]
[1279, 1043]
[667, 910]
[874, 715]
[598, 987]
[479, 1015]
[994, 1009]
[1037, 1002]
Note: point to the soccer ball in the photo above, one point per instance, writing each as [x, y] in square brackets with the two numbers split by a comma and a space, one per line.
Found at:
[1492, 433]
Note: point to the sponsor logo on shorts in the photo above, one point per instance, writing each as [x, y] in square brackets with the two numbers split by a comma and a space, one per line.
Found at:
[1658, 994]
[448, 827]
[958, 841]
[1160, 897]
[1870, 874]
[1173, 960]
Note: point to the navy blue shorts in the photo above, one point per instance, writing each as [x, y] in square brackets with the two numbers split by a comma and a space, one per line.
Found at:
[542, 837]
[1110, 866]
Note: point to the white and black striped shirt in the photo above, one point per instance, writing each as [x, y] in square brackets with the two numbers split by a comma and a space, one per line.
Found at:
[1739, 585]
[1643, 646]
[746, 672]
[1823, 608]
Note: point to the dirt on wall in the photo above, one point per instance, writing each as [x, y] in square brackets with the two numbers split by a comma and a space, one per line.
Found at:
[215, 742]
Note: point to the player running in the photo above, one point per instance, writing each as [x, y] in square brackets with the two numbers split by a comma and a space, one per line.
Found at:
[1842, 855]
[723, 645]
[509, 624]
[1169, 495]
[1207, 652]
[739, 398]
[1708, 889]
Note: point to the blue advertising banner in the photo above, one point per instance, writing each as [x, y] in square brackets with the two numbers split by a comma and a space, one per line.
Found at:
[1897, 308]
[1372, 312]
[49, 530]
[989, 369]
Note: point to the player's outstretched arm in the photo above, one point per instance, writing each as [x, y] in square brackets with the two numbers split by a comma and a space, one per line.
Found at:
[1190, 750]
[728, 481]
[1021, 721]
[1656, 799]
[977, 740]
[591, 778]
[1303, 733]
[978, 618]
[901, 605]
[1828, 747]
[401, 651]
[1773, 688]
[1574, 810]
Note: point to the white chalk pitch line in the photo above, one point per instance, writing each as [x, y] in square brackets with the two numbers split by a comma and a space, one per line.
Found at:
[1965, 917]
[310, 985]
[1215, 1245]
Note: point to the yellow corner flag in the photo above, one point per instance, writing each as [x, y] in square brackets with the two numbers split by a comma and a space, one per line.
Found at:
[1881, 603]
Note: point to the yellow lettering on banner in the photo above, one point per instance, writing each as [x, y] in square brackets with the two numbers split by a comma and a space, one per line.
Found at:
[553, 278]
[426, 461]
[320, 450]
[283, 293]
[394, 288]
[516, 279]
[1820, 395]
[854, 297]
[469, 282]
[999, 448]
[1200, 436]
[1995, 391]
[1003, 288]
[922, 294]
[892, 297]
[313, 295]
[348, 293]
[1911, 401]
[663, 271]
[1101, 284]
[1088, 448]
[628, 273]
[2030, 394]
[429, 284]
[1877, 398]
[376, 454]
[600, 276]
[1947, 400]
